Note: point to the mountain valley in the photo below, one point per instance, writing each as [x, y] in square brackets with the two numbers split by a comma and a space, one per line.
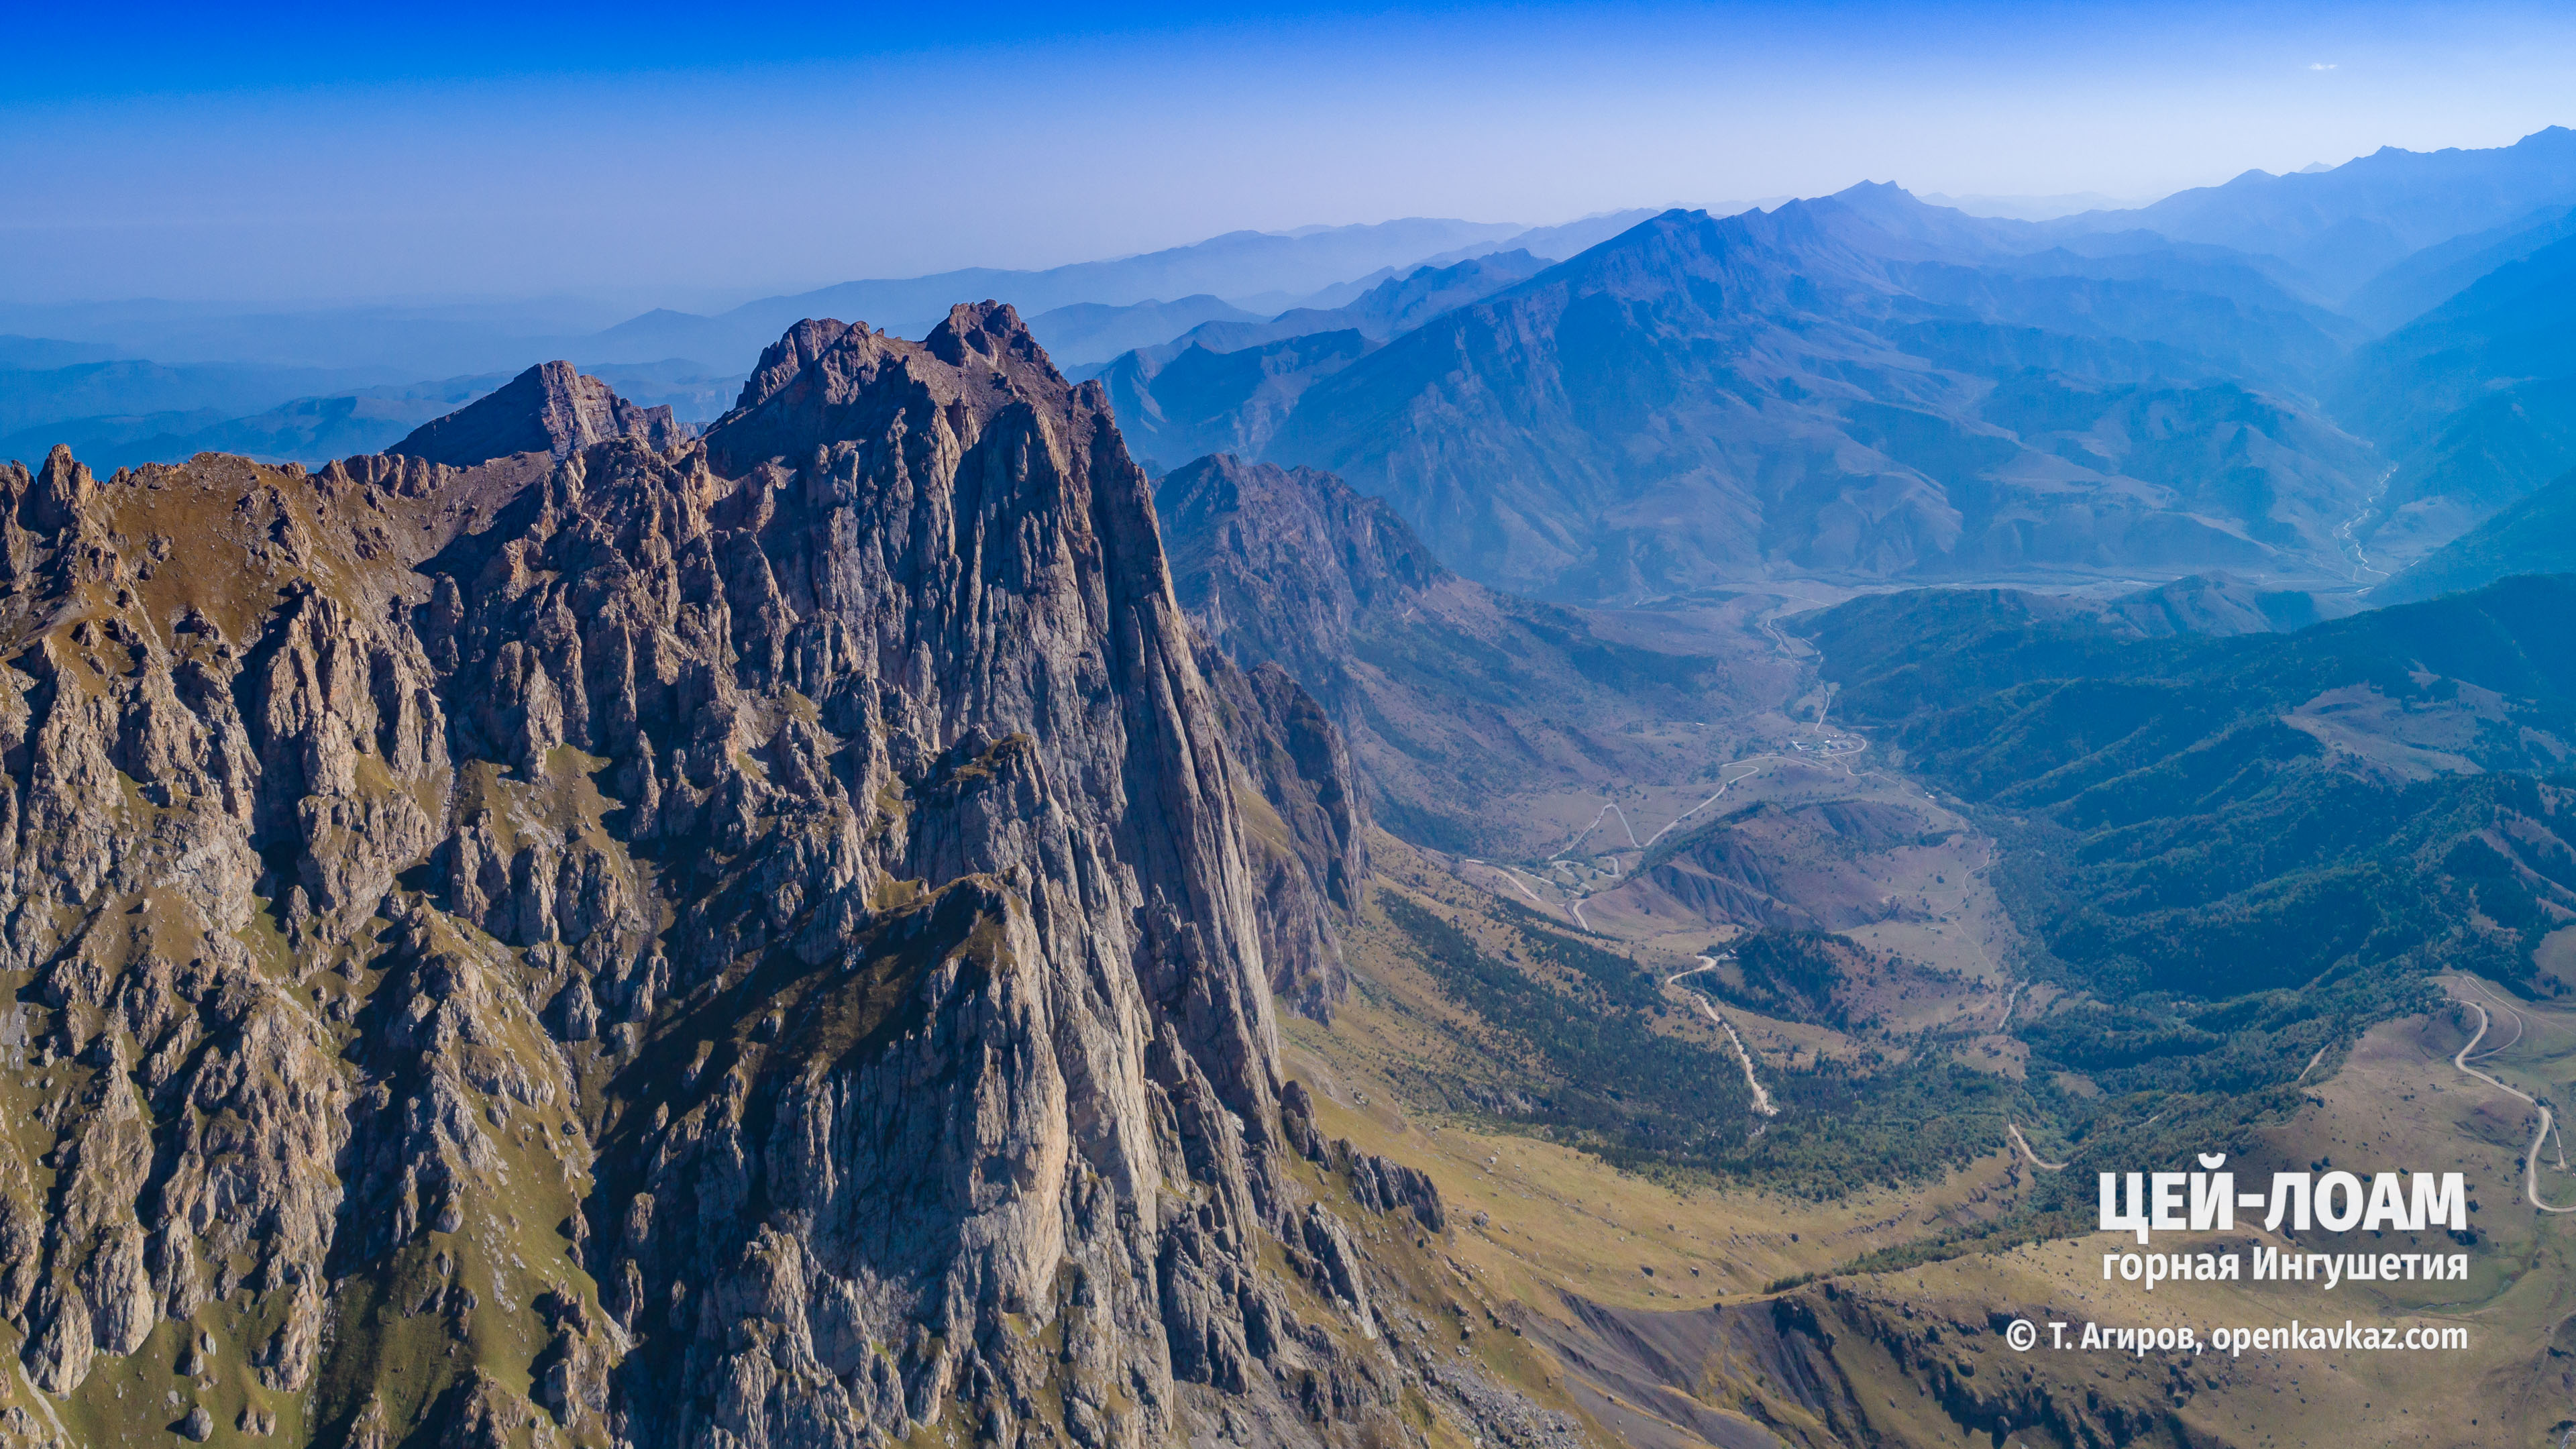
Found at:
[1434, 834]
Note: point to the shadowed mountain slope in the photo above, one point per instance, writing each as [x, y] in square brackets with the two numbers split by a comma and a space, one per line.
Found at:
[2212, 604]
[2536, 535]
[1456, 698]
[2442, 271]
[2475, 400]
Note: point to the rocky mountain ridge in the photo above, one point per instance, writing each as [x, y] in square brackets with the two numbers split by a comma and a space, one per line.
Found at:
[746, 941]
[548, 409]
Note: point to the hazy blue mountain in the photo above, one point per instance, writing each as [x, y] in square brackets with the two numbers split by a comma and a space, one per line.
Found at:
[2440, 272]
[129, 387]
[37, 354]
[1547, 243]
[2207, 304]
[408, 341]
[1088, 332]
[2344, 226]
[1556, 243]
[2535, 535]
[1199, 402]
[2512, 325]
[310, 430]
[2033, 208]
[384, 342]
[1394, 306]
[1704, 399]
[319, 429]
[122, 442]
[2475, 401]
[1237, 265]
[1224, 387]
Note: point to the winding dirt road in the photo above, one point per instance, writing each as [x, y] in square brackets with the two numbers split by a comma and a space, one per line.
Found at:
[2531, 1158]
[1761, 1096]
[1723, 785]
[1607, 809]
[2013, 1130]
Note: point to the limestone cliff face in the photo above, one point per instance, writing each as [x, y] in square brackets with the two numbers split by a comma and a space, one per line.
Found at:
[751, 941]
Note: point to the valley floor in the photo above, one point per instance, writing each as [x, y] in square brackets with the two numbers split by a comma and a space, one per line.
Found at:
[1669, 1308]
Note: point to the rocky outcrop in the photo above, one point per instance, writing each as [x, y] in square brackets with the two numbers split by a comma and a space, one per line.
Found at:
[1386, 1186]
[548, 409]
[768, 930]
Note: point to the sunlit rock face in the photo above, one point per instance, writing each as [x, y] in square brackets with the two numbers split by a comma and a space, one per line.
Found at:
[753, 937]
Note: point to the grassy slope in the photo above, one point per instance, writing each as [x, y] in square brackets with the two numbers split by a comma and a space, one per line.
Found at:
[1913, 1351]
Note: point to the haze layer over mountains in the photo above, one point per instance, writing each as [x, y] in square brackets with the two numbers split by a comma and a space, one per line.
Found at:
[2311, 380]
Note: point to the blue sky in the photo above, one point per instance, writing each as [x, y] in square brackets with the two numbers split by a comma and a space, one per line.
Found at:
[691, 153]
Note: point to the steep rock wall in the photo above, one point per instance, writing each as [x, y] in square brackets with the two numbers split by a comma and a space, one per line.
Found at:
[753, 942]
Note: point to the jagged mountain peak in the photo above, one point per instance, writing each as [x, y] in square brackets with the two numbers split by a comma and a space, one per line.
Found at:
[63, 487]
[826, 381]
[781, 360]
[796, 928]
[550, 408]
[988, 330]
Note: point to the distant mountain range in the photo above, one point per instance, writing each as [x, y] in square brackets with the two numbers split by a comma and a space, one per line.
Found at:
[2032, 208]
[1226, 386]
[1862, 387]
[1262, 272]
[2346, 225]
[1094, 332]
[219, 368]
[307, 428]
[2310, 380]
[1867, 386]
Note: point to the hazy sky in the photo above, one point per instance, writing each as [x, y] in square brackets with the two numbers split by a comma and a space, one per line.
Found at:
[690, 153]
